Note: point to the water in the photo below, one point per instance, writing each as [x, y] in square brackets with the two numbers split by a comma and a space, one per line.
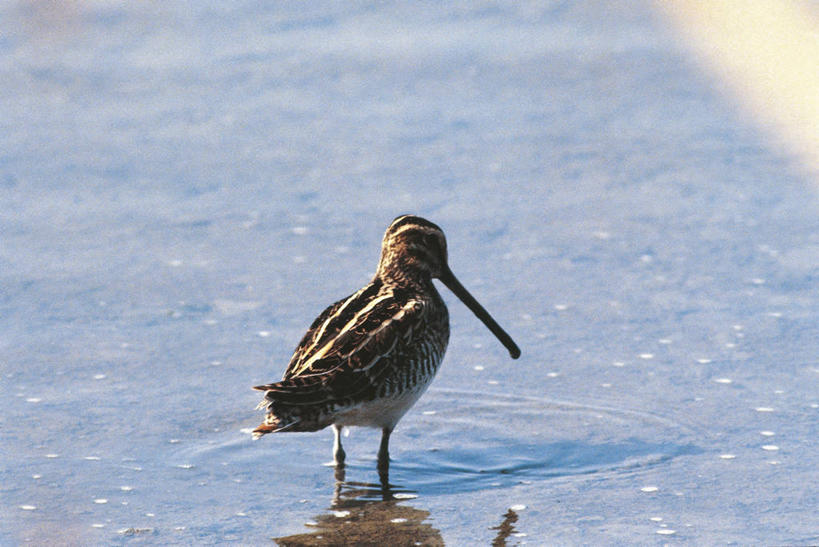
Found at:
[184, 188]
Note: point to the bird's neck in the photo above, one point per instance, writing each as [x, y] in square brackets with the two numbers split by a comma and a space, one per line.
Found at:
[411, 280]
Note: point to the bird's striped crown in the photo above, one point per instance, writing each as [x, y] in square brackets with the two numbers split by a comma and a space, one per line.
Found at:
[414, 249]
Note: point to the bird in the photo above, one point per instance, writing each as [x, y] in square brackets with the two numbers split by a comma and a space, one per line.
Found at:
[367, 358]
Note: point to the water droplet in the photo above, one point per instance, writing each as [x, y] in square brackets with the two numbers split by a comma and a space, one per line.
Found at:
[646, 356]
[100, 501]
[28, 507]
[770, 447]
[727, 456]
[764, 409]
[649, 489]
[666, 531]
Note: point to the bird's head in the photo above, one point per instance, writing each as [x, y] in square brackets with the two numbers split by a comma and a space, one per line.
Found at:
[413, 246]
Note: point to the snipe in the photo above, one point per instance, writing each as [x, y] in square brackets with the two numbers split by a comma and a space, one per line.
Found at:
[367, 358]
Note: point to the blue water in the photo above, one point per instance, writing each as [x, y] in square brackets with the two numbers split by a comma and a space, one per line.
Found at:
[183, 188]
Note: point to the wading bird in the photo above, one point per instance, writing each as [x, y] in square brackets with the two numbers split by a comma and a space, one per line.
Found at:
[368, 358]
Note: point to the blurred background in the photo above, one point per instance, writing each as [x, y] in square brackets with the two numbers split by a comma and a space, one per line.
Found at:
[628, 187]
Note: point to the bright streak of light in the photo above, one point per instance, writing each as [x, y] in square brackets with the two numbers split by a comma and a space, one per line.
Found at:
[767, 54]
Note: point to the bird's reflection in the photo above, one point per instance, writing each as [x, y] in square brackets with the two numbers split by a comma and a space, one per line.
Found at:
[505, 529]
[368, 514]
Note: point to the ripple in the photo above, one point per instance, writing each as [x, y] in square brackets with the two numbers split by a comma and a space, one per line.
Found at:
[466, 441]
[482, 440]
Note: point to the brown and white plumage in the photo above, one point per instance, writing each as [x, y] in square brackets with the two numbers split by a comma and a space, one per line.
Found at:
[367, 358]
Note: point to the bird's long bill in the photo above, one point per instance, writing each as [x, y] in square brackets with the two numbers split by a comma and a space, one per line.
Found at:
[452, 283]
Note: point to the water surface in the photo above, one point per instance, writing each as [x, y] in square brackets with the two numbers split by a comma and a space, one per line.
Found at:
[184, 188]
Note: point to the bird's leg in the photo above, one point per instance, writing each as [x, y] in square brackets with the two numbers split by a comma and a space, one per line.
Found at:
[384, 451]
[338, 451]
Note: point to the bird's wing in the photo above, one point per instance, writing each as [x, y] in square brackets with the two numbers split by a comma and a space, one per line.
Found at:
[353, 360]
[326, 326]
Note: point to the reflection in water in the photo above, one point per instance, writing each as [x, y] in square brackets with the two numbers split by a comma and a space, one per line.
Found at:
[505, 528]
[368, 514]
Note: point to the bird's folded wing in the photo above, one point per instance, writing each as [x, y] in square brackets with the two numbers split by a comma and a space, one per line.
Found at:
[355, 359]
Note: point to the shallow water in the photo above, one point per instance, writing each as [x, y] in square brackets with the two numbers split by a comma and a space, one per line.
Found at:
[182, 192]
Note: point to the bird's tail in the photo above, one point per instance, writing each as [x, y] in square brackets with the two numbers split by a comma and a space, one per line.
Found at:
[272, 424]
[290, 405]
